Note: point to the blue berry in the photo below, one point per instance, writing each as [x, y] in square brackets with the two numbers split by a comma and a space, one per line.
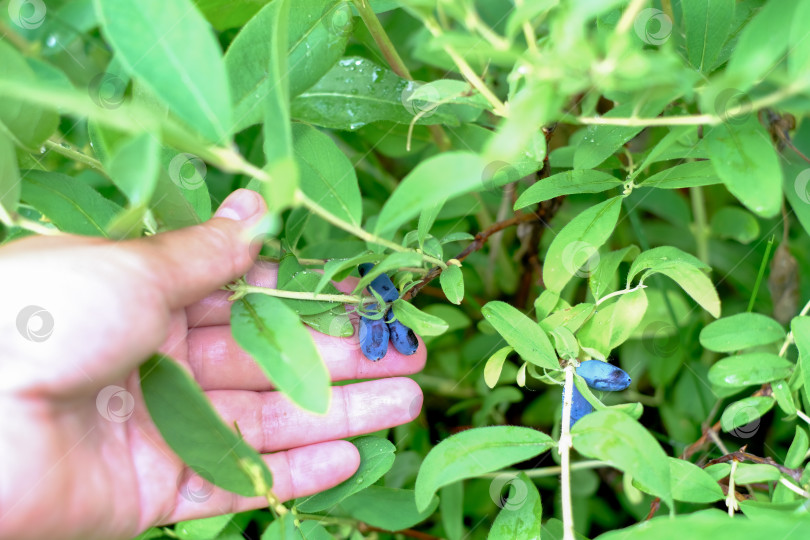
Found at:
[603, 376]
[381, 284]
[402, 337]
[579, 405]
[373, 336]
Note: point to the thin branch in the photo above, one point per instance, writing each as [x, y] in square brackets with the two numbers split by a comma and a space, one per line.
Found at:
[75, 155]
[565, 454]
[241, 289]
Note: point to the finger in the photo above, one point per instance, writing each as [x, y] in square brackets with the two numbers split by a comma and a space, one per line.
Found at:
[269, 421]
[296, 473]
[216, 310]
[188, 264]
[219, 363]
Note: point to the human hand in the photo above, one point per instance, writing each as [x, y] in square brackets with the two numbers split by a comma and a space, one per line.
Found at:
[81, 457]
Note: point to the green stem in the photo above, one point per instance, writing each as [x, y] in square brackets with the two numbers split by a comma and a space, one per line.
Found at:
[564, 447]
[701, 226]
[360, 233]
[619, 293]
[75, 155]
[241, 289]
[22, 44]
[551, 471]
[761, 273]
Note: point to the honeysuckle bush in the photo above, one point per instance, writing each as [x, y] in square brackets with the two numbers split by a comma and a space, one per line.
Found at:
[546, 182]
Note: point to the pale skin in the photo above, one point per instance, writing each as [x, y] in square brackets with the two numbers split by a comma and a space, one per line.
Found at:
[72, 468]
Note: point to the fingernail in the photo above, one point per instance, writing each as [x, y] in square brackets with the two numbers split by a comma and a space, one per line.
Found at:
[240, 205]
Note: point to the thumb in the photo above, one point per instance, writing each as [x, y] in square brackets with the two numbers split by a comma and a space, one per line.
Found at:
[188, 264]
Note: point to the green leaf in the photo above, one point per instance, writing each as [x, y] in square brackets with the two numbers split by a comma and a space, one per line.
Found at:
[327, 175]
[451, 509]
[709, 524]
[751, 473]
[578, 241]
[335, 322]
[474, 452]
[798, 449]
[387, 508]
[357, 91]
[613, 324]
[707, 23]
[800, 328]
[614, 437]
[685, 175]
[749, 369]
[662, 256]
[134, 168]
[521, 512]
[175, 55]
[753, 56]
[224, 14]
[736, 223]
[607, 269]
[745, 411]
[452, 282]
[740, 331]
[194, 431]
[522, 333]
[749, 169]
[693, 281]
[10, 186]
[376, 458]
[71, 205]
[784, 397]
[273, 335]
[202, 529]
[337, 267]
[567, 183]
[426, 220]
[571, 318]
[461, 172]
[24, 122]
[417, 320]
[690, 483]
[494, 366]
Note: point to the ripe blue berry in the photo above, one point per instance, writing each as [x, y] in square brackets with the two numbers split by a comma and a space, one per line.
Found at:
[381, 284]
[603, 376]
[373, 336]
[579, 405]
[402, 337]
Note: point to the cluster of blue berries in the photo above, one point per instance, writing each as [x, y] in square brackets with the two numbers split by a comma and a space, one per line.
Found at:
[374, 333]
[599, 376]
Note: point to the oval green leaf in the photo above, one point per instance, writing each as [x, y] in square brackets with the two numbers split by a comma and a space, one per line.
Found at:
[522, 333]
[749, 369]
[741, 331]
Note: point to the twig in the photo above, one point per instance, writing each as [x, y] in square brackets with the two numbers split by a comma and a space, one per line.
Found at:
[240, 290]
[565, 454]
